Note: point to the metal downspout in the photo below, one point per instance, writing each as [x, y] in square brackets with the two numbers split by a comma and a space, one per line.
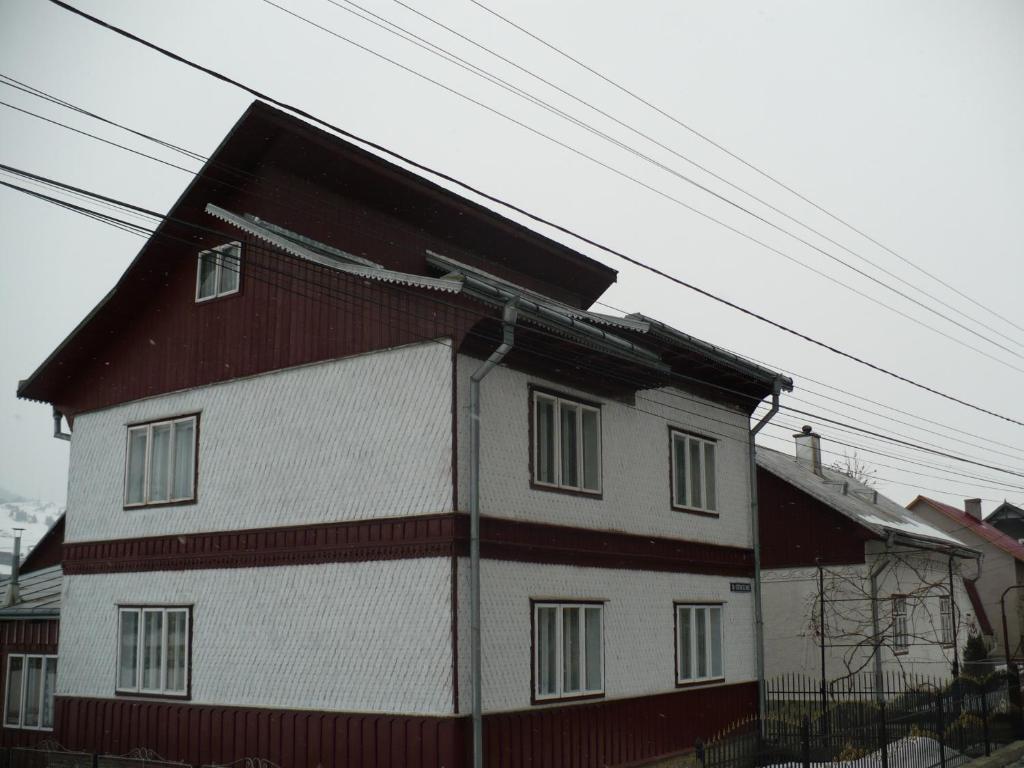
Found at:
[507, 340]
[755, 533]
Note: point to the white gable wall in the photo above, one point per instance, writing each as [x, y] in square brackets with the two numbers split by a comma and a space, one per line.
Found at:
[361, 437]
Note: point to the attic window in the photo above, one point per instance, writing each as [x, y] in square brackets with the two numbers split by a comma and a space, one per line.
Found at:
[218, 271]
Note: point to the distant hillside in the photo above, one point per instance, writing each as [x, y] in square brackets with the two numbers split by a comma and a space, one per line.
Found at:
[34, 517]
[6, 496]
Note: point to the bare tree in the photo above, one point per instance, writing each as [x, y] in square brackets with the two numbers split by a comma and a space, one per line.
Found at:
[853, 467]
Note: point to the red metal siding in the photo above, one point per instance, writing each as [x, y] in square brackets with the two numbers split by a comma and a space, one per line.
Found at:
[605, 733]
[38, 636]
[797, 529]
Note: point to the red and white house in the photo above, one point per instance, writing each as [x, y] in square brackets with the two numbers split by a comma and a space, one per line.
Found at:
[267, 538]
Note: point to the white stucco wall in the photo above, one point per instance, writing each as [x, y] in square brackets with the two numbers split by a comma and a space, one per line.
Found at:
[639, 639]
[635, 461]
[791, 618]
[362, 637]
[361, 437]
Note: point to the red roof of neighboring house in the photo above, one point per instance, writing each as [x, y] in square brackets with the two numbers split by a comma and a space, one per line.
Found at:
[988, 532]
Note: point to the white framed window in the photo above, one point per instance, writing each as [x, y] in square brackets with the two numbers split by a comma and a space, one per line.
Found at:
[153, 650]
[699, 635]
[900, 635]
[28, 700]
[161, 462]
[566, 443]
[694, 479]
[218, 272]
[946, 620]
[568, 643]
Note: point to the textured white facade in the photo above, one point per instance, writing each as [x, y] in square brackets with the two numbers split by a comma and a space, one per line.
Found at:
[364, 637]
[635, 461]
[362, 437]
[639, 629]
[791, 610]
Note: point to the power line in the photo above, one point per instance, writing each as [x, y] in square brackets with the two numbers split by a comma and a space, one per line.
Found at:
[142, 231]
[661, 193]
[532, 216]
[738, 158]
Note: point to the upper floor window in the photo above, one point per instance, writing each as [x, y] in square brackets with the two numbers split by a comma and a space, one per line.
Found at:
[900, 634]
[568, 650]
[161, 464]
[694, 485]
[28, 701]
[218, 271]
[153, 650]
[566, 443]
[946, 620]
[698, 643]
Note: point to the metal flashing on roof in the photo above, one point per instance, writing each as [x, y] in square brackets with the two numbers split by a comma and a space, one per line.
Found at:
[718, 354]
[261, 230]
[547, 312]
[316, 245]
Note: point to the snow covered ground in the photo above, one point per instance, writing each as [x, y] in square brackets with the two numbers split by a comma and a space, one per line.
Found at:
[915, 751]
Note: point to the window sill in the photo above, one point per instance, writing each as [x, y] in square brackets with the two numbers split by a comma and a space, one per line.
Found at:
[34, 729]
[566, 699]
[160, 504]
[566, 491]
[904, 652]
[155, 696]
[215, 299]
[695, 511]
[698, 683]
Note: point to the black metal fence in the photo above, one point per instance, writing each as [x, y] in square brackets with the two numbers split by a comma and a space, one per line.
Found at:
[906, 721]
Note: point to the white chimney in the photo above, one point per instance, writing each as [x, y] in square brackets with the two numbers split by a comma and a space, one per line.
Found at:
[973, 508]
[808, 450]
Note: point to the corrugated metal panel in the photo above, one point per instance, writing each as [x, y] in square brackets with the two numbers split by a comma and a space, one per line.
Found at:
[37, 590]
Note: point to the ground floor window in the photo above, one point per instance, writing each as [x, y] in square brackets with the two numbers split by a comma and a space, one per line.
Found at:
[28, 700]
[946, 620]
[568, 650]
[698, 643]
[153, 650]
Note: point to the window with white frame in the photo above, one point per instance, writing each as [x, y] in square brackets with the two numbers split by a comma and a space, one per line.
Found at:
[218, 271]
[566, 443]
[698, 643]
[568, 650]
[161, 463]
[946, 620]
[900, 636]
[153, 650]
[694, 483]
[28, 700]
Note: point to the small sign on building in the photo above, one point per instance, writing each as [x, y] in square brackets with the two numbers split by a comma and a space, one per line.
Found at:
[739, 586]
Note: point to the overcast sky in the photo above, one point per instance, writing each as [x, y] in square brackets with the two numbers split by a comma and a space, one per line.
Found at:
[905, 119]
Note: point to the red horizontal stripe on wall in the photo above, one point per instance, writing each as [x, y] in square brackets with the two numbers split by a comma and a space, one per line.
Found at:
[407, 537]
[605, 733]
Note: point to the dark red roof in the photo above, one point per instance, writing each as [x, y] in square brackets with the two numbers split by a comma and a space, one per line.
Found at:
[988, 532]
[978, 606]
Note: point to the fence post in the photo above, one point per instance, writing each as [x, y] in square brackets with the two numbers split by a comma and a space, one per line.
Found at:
[941, 729]
[984, 721]
[698, 749]
[883, 739]
[805, 741]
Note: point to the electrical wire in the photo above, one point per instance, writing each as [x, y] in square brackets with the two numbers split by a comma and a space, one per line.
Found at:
[532, 216]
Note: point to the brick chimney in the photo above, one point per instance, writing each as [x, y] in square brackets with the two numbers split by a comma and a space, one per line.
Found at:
[808, 450]
[973, 508]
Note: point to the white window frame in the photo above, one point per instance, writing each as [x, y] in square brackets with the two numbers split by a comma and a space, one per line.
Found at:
[141, 611]
[679, 436]
[710, 677]
[900, 624]
[218, 251]
[559, 693]
[24, 684]
[193, 478]
[557, 401]
[946, 620]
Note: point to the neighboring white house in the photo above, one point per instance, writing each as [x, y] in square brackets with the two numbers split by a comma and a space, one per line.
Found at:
[889, 584]
[270, 471]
